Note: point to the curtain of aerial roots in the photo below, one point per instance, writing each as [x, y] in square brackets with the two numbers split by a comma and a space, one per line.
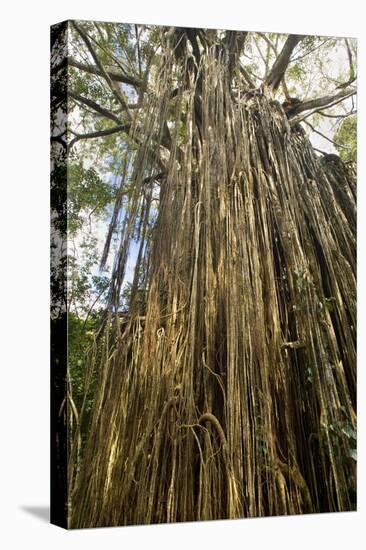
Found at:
[228, 392]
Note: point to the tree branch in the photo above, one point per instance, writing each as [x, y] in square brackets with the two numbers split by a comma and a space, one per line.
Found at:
[95, 106]
[274, 48]
[320, 111]
[350, 61]
[100, 133]
[324, 136]
[324, 101]
[269, 42]
[58, 139]
[113, 88]
[346, 84]
[115, 76]
[279, 67]
[298, 58]
[247, 76]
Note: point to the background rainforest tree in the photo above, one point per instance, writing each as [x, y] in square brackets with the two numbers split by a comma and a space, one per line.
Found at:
[213, 368]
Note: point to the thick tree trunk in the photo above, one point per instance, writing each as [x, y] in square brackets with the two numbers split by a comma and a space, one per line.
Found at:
[233, 397]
